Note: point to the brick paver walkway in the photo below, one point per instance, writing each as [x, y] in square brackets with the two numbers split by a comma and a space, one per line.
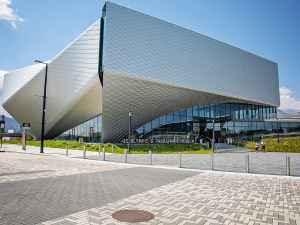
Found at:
[260, 163]
[38, 189]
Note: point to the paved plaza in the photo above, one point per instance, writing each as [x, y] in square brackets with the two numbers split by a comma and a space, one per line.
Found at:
[43, 189]
[273, 163]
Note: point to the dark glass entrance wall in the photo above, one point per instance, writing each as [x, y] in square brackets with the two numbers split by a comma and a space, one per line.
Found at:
[180, 124]
[90, 131]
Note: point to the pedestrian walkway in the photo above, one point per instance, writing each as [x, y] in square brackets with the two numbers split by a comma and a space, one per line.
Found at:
[226, 148]
[41, 189]
[259, 163]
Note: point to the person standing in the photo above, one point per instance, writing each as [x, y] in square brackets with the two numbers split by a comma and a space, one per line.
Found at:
[263, 146]
[256, 147]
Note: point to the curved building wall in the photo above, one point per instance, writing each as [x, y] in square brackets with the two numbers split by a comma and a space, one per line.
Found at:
[147, 66]
[153, 67]
[74, 91]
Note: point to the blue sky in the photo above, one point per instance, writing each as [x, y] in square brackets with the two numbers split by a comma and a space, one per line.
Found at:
[35, 29]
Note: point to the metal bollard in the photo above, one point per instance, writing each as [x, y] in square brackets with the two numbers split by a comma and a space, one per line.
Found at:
[212, 161]
[112, 149]
[84, 151]
[125, 155]
[247, 163]
[103, 158]
[150, 157]
[179, 159]
[67, 149]
[99, 149]
[288, 171]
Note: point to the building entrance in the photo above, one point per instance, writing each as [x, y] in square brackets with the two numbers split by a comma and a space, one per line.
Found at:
[208, 129]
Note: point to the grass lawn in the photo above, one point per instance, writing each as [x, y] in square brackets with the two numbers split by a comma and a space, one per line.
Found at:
[289, 144]
[134, 149]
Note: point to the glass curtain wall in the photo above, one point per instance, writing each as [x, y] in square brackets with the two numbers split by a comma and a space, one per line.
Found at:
[179, 124]
[90, 131]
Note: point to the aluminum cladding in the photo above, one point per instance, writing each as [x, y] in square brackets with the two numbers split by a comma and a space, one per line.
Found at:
[153, 67]
[74, 92]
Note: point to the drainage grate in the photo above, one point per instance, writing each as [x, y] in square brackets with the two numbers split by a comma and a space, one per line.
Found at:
[133, 216]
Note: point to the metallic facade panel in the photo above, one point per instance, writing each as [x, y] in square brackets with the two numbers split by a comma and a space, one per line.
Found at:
[153, 67]
[74, 92]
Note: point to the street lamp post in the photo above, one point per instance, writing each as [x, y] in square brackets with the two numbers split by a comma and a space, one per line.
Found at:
[213, 140]
[129, 135]
[277, 132]
[44, 107]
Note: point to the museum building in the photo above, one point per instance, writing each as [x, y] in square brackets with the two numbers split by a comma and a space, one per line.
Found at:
[176, 82]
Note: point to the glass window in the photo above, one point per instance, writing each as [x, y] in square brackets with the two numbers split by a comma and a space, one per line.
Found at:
[249, 111]
[245, 124]
[147, 127]
[163, 120]
[170, 118]
[183, 112]
[230, 123]
[256, 112]
[264, 112]
[212, 110]
[232, 110]
[207, 112]
[274, 125]
[268, 125]
[201, 111]
[195, 111]
[222, 109]
[260, 124]
[155, 123]
[253, 125]
[260, 112]
[237, 123]
[284, 124]
[236, 111]
[227, 110]
[190, 114]
[176, 118]
[253, 112]
[218, 110]
[241, 111]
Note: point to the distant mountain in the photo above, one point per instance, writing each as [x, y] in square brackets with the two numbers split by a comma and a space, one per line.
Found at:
[11, 124]
[292, 114]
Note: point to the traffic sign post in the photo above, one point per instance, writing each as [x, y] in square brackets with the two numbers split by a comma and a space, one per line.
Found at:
[26, 126]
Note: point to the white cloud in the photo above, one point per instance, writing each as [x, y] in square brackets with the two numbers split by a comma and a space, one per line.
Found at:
[287, 103]
[7, 13]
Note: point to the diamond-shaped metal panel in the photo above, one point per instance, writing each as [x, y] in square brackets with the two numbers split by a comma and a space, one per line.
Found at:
[151, 67]
[154, 67]
[74, 92]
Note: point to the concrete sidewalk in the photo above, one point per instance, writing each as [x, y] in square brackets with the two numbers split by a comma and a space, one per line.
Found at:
[273, 163]
[38, 189]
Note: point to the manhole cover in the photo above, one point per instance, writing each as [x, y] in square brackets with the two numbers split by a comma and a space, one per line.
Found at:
[133, 216]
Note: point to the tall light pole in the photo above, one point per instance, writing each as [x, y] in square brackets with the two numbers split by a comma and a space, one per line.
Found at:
[277, 131]
[129, 135]
[44, 107]
[213, 140]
